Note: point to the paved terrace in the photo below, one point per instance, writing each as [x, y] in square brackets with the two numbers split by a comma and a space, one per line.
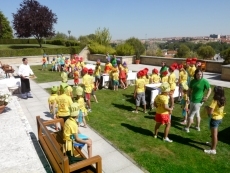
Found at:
[19, 147]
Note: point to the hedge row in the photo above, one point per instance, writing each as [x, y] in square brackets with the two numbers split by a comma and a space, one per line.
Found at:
[63, 42]
[18, 41]
[39, 51]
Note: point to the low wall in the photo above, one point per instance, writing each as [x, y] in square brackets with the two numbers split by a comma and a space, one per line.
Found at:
[95, 57]
[225, 74]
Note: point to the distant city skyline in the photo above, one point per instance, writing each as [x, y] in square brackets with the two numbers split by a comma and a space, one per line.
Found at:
[134, 18]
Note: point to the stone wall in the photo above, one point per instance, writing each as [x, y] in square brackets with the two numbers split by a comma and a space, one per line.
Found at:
[225, 74]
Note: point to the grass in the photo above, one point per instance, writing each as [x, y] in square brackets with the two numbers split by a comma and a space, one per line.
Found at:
[24, 46]
[133, 134]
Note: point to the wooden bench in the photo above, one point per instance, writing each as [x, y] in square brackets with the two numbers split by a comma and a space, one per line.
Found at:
[53, 146]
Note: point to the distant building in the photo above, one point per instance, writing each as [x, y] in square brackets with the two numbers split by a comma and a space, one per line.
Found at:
[214, 36]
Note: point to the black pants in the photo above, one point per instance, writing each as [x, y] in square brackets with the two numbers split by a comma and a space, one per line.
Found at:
[25, 86]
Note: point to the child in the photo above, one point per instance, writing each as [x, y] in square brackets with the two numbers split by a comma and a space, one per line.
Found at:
[44, 65]
[97, 73]
[71, 129]
[90, 72]
[81, 102]
[122, 76]
[183, 77]
[216, 113]
[53, 65]
[172, 83]
[53, 107]
[164, 76]
[126, 73]
[115, 77]
[146, 76]
[163, 111]
[155, 78]
[64, 76]
[76, 76]
[86, 81]
[185, 103]
[139, 92]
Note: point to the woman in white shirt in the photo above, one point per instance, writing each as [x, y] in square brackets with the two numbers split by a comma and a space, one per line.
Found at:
[24, 72]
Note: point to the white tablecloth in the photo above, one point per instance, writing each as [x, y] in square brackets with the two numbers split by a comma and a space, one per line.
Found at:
[11, 82]
[155, 91]
[92, 66]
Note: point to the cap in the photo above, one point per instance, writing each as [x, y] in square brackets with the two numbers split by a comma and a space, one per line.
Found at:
[155, 71]
[165, 87]
[54, 89]
[74, 109]
[193, 62]
[124, 63]
[79, 91]
[180, 66]
[172, 68]
[85, 70]
[90, 71]
[164, 73]
[63, 86]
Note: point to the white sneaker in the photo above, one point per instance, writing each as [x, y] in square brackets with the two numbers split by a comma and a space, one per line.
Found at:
[186, 129]
[210, 151]
[197, 128]
[89, 110]
[167, 140]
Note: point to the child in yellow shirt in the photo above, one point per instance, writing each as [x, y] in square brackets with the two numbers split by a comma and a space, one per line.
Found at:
[163, 111]
[115, 77]
[53, 107]
[185, 103]
[155, 78]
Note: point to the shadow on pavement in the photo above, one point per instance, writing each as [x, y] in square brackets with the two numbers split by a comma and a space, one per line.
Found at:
[40, 153]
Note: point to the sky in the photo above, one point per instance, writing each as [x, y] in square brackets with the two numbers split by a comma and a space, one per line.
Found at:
[142, 19]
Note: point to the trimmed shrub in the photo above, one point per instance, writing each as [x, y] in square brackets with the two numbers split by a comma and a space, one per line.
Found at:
[125, 49]
[96, 48]
[18, 41]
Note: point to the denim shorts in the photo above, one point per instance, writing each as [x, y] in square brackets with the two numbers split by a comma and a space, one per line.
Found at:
[215, 123]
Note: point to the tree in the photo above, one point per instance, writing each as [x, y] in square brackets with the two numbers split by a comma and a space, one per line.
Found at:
[34, 19]
[102, 36]
[125, 49]
[183, 51]
[137, 45]
[226, 56]
[60, 36]
[206, 52]
[6, 31]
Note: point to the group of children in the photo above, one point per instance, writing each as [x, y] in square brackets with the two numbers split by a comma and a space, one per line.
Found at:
[164, 101]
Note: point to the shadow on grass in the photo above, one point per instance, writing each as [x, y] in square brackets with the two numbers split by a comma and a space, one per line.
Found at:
[223, 136]
[40, 153]
[138, 129]
[175, 122]
[22, 47]
[150, 117]
[127, 108]
[129, 98]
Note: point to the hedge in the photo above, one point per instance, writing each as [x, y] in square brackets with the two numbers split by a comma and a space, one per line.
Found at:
[39, 51]
[18, 41]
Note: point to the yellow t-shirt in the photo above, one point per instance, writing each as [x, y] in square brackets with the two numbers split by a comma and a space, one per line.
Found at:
[64, 103]
[161, 101]
[126, 70]
[155, 78]
[183, 76]
[172, 81]
[97, 71]
[52, 99]
[82, 107]
[218, 112]
[191, 71]
[115, 76]
[86, 81]
[164, 79]
[70, 127]
[140, 85]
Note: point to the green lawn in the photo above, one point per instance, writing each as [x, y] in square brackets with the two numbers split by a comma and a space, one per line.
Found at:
[23, 46]
[133, 134]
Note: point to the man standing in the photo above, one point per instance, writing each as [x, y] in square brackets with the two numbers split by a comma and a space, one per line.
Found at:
[24, 72]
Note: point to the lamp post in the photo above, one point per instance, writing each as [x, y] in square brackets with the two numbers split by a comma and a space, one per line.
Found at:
[69, 36]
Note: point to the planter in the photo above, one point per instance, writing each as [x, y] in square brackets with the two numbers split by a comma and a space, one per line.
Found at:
[137, 61]
[2, 108]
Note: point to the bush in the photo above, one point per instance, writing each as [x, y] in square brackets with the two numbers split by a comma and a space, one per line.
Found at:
[226, 56]
[71, 43]
[96, 48]
[56, 42]
[18, 41]
[125, 49]
[39, 51]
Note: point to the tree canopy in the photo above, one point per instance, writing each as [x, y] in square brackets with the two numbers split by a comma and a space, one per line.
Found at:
[102, 36]
[6, 31]
[137, 45]
[183, 51]
[206, 52]
[34, 19]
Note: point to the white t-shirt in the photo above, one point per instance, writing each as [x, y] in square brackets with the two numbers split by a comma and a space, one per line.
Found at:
[25, 70]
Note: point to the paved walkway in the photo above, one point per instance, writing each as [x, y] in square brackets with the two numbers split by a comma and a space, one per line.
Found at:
[19, 147]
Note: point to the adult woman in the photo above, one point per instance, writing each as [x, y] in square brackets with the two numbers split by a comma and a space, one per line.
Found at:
[196, 91]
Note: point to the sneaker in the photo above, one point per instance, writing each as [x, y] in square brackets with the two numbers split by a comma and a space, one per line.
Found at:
[183, 122]
[210, 151]
[197, 128]
[135, 111]
[167, 140]
[186, 129]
